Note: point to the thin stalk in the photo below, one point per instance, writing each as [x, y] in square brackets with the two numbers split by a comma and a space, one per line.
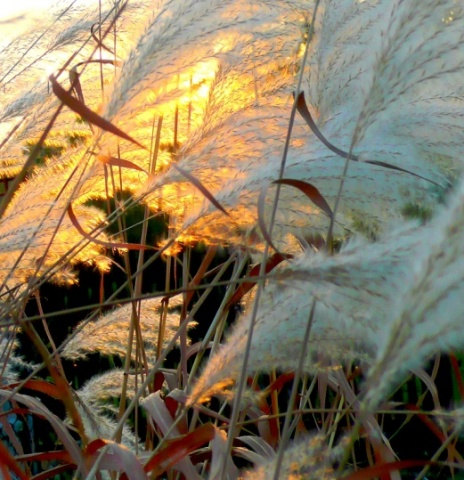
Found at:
[260, 285]
[288, 414]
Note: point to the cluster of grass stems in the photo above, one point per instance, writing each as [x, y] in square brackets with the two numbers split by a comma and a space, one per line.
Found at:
[142, 423]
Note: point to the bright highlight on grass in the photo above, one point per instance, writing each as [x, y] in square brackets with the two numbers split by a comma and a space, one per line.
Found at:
[231, 240]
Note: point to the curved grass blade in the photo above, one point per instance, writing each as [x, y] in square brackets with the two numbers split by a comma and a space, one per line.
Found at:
[119, 459]
[310, 191]
[261, 222]
[74, 75]
[128, 246]
[306, 115]
[120, 162]
[97, 40]
[206, 193]
[245, 287]
[9, 464]
[179, 448]
[76, 106]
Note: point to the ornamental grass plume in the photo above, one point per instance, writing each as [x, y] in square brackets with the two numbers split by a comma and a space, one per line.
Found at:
[427, 314]
[382, 78]
[98, 408]
[36, 235]
[108, 335]
[352, 292]
[389, 304]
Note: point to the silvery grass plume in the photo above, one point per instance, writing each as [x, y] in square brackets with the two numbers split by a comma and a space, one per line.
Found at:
[109, 334]
[97, 405]
[427, 313]
[351, 291]
[390, 304]
[236, 48]
[38, 238]
[382, 77]
[65, 33]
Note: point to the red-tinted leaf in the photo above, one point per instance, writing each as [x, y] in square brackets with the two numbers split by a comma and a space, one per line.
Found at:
[457, 374]
[9, 464]
[54, 472]
[206, 193]
[427, 422]
[75, 105]
[310, 191]
[128, 246]
[158, 381]
[245, 287]
[208, 258]
[41, 386]
[62, 456]
[280, 382]
[37, 408]
[179, 448]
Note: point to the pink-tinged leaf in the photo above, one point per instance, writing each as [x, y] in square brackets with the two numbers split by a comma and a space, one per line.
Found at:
[310, 191]
[258, 445]
[220, 455]
[178, 449]
[118, 458]
[245, 287]
[159, 414]
[8, 464]
[76, 106]
[206, 193]
[128, 246]
[37, 408]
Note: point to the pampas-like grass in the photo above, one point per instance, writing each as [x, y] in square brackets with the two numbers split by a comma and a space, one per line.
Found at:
[397, 118]
[96, 405]
[36, 234]
[353, 292]
[108, 335]
[390, 304]
[428, 309]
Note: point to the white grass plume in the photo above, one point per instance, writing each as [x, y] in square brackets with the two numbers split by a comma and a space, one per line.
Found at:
[353, 293]
[97, 408]
[36, 231]
[391, 304]
[427, 313]
[416, 126]
[108, 335]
